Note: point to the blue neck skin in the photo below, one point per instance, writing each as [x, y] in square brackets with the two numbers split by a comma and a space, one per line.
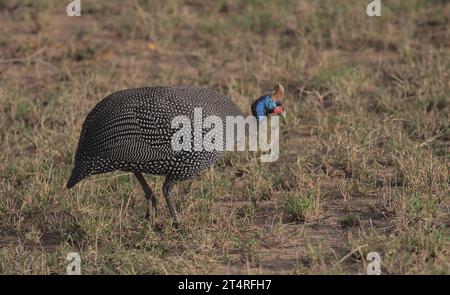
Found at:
[264, 105]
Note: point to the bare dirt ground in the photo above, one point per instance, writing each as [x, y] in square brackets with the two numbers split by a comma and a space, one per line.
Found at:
[364, 150]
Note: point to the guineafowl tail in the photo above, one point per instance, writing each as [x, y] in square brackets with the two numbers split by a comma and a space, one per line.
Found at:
[78, 174]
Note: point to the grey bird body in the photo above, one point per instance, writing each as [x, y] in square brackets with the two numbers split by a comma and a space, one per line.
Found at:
[130, 130]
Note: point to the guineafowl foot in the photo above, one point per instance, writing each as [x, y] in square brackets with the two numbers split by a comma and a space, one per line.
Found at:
[152, 207]
[151, 211]
[152, 202]
[167, 188]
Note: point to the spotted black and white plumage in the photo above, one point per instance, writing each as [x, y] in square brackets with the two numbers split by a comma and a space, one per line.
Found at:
[130, 130]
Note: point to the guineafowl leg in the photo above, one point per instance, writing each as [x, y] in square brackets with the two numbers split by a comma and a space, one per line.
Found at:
[167, 188]
[151, 199]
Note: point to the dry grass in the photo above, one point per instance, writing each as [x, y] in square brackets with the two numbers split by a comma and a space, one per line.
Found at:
[364, 162]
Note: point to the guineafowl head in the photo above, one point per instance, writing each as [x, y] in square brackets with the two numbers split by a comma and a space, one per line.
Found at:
[269, 104]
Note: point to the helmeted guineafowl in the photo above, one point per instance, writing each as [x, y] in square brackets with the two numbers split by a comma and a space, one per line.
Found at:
[131, 130]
